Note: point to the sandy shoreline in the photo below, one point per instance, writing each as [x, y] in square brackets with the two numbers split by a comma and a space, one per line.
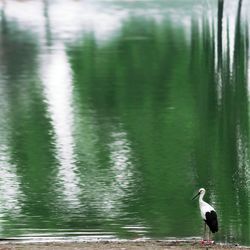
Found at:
[115, 245]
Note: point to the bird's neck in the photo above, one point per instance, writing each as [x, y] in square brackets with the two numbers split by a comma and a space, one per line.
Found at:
[201, 197]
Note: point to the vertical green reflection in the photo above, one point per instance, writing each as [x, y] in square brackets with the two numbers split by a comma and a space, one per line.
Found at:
[222, 153]
[184, 114]
[135, 80]
[234, 136]
[26, 129]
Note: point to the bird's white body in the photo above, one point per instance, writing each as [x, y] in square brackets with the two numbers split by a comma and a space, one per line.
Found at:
[204, 207]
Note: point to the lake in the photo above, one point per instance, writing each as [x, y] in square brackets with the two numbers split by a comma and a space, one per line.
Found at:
[114, 113]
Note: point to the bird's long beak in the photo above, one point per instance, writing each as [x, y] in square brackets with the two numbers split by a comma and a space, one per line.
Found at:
[196, 196]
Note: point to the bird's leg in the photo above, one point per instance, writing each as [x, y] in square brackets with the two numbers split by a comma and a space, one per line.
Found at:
[204, 235]
[210, 240]
[205, 229]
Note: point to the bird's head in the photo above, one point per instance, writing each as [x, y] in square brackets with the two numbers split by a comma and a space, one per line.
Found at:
[201, 191]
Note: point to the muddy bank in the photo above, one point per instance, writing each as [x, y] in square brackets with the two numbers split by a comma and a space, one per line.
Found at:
[111, 245]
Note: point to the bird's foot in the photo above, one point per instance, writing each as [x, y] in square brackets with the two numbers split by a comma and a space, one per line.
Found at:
[207, 242]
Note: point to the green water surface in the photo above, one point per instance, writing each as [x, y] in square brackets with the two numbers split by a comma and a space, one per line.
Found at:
[114, 113]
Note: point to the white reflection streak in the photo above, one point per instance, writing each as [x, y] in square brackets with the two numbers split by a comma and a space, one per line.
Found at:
[10, 190]
[243, 157]
[120, 157]
[9, 185]
[58, 95]
[228, 30]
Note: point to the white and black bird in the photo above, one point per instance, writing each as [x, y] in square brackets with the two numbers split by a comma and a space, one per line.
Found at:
[208, 214]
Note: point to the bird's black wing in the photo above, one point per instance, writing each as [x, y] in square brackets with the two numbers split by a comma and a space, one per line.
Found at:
[211, 220]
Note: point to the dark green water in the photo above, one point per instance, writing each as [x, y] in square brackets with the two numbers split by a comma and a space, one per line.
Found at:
[114, 113]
